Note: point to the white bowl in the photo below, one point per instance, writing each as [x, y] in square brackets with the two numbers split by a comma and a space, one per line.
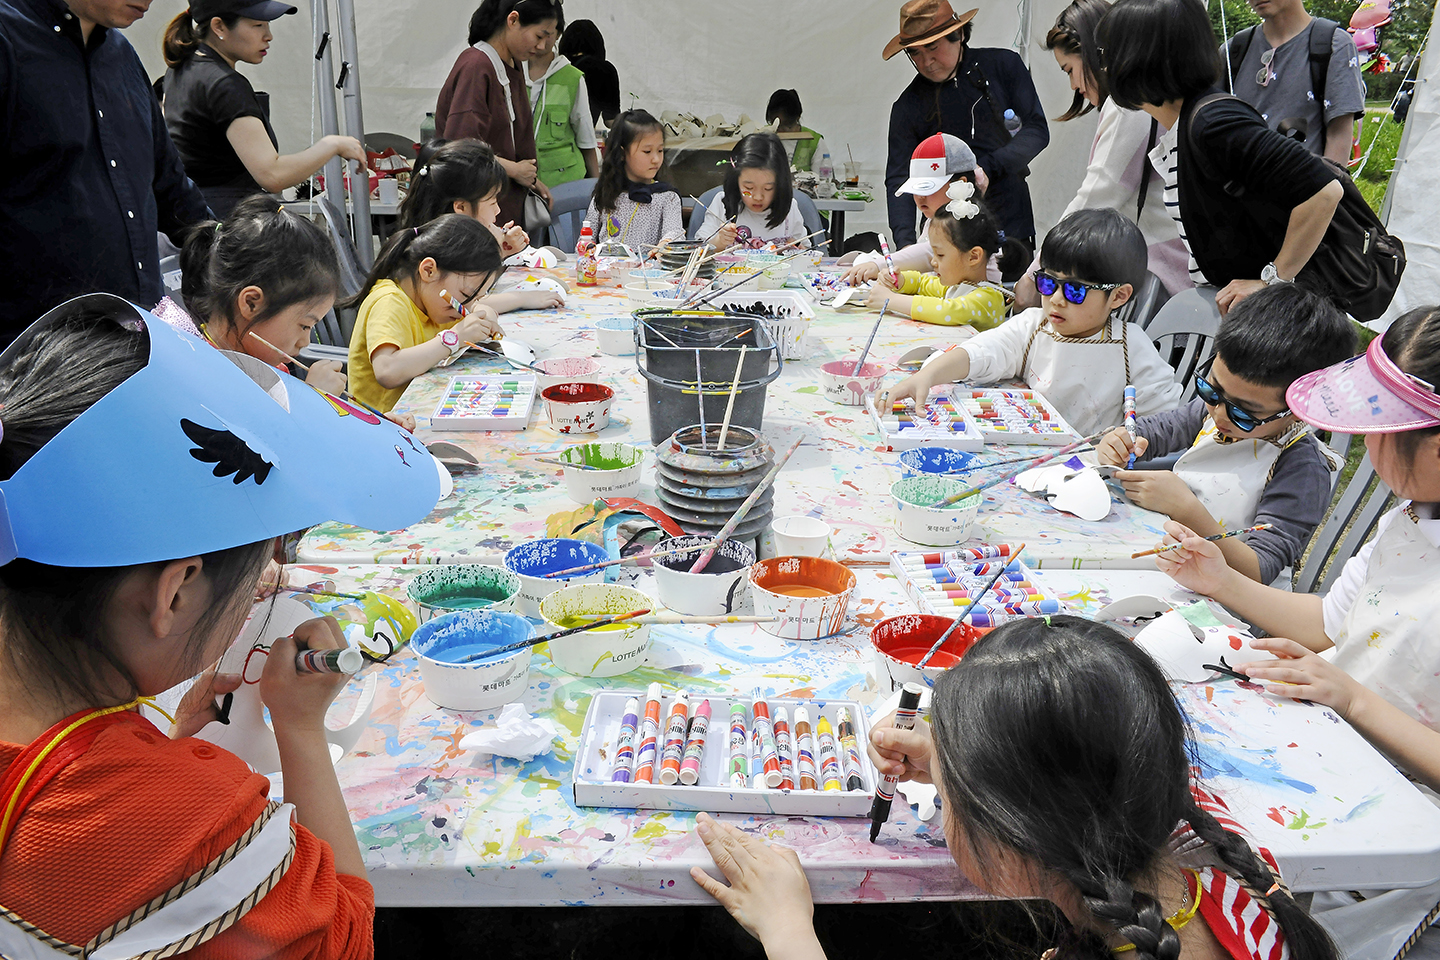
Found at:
[462, 586]
[533, 559]
[619, 474]
[609, 651]
[658, 294]
[482, 684]
[615, 336]
[841, 386]
[919, 522]
[801, 617]
[582, 407]
[714, 591]
[567, 370]
[800, 536]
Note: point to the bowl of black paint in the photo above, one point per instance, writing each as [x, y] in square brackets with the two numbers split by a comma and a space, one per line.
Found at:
[716, 590]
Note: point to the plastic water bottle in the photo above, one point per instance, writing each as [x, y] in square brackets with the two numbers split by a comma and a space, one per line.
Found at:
[827, 169]
[1012, 123]
[585, 266]
[427, 128]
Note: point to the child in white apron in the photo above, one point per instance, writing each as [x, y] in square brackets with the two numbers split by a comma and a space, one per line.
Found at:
[1247, 458]
[1381, 615]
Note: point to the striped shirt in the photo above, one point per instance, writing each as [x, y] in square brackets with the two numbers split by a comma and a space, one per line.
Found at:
[1165, 158]
[1238, 920]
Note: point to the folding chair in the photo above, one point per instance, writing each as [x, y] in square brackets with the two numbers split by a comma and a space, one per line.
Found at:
[697, 216]
[1354, 514]
[1184, 332]
[1149, 297]
[571, 200]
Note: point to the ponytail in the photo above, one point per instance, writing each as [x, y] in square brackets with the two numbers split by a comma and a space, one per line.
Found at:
[183, 36]
[456, 243]
[489, 18]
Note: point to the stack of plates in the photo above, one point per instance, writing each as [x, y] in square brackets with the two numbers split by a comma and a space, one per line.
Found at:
[702, 487]
[675, 254]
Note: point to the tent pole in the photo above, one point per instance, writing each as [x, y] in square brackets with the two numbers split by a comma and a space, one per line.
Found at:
[324, 90]
[349, 84]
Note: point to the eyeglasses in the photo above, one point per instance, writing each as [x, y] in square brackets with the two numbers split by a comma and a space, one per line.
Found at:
[1266, 74]
[1214, 398]
[1075, 290]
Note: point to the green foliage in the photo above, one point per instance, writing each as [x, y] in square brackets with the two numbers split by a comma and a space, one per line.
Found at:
[1373, 180]
[1406, 35]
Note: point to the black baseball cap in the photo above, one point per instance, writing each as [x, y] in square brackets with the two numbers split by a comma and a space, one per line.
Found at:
[201, 11]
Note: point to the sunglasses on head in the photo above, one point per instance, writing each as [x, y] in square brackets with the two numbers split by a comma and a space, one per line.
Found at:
[1075, 291]
[1207, 392]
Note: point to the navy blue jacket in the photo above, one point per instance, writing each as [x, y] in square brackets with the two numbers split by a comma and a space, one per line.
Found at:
[90, 173]
[958, 107]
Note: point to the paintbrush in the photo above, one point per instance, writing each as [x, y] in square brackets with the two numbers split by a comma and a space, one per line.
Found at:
[1010, 474]
[793, 243]
[313, 591]
[746, 279]
[661, 619]
[635, 558]
[730, 404]
[499, 354]
[1218, 536]
[700, 392]
[869, 343]
[344, 394]
[564, 463]
[974, 605]
[744, 509]
[536, 641]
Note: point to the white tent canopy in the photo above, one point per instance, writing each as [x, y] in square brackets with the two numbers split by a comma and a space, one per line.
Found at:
[703, 58]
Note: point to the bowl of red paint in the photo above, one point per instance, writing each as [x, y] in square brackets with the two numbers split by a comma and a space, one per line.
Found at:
[578, 407]
[809, 594]
[902, 642]
[842, 384]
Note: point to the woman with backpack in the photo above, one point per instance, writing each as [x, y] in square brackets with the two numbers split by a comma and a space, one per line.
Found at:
[1254, 207]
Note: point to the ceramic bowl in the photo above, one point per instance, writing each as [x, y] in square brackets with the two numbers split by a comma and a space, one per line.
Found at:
[841, 386]
[902, 642]
[615, 336]
[617, 472]
[578, 407]
[919, 522]
[533, 559]
[716, 590]
[810, 595]
[607, 652]
[462, 586]
[442, 643]
[560, 370]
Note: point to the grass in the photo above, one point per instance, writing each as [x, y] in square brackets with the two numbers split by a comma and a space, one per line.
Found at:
[1373, 180]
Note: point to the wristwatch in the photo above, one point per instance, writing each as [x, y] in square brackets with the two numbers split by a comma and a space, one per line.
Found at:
[1269, 276]
[451, 339]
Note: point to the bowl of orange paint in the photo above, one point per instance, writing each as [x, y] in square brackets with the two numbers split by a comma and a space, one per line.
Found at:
[902, 642]
[809, 595]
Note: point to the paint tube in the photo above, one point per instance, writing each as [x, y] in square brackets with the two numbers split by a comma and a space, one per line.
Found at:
[850, 750]
[785, 747]
[695, 744]
[829, 761]
[624, 767]
[769, 756]
[737, 771]
[674, 750]
[804, 751]
[649, 735]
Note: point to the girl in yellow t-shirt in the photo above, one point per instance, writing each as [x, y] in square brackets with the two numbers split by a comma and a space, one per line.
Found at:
[963, 238]
[405, 326]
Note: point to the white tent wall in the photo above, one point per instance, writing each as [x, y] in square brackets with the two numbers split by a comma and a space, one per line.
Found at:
[703, 58]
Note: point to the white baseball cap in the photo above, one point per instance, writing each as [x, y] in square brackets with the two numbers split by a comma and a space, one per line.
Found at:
[936, 162]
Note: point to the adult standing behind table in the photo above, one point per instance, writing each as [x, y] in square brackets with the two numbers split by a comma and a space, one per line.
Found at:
[485, 96]
[565, 144]
[1302, 73]
[214, 117]
[1252, 205]
[584, 45]
[963, 91]
[90, 172]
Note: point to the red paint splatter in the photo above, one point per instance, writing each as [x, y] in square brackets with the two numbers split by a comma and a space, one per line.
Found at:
[1235, 642]
[1292, 744]
[1274, 814]
[847, 483]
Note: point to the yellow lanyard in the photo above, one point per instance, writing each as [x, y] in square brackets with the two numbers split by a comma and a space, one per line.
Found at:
[1180, 918]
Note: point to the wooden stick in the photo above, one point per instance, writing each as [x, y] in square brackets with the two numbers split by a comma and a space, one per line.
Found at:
[500, 355]
[1009, 474]
[313, 591]
[730, 404]
[662, 619]
[711, 296]
[1218, 536]
[635, 558]
[565, 463]
[344, 394]
[750, 501]
[869, 343]
[1005, 563]
[536, 641]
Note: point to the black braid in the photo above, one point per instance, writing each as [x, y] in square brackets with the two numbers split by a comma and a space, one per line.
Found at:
[1306, 939]
[1134, 914]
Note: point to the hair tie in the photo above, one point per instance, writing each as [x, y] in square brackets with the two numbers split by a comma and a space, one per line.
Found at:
[424, 171]
[218, 225]
[417, 230]
[1047, 620]
[960, 207]
[1273, 889]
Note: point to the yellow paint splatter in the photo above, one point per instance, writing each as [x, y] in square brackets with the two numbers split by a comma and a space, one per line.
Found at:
[653, 829]
[1374, 639]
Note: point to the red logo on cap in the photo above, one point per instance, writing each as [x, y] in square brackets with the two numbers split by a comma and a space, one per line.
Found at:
[934, 166]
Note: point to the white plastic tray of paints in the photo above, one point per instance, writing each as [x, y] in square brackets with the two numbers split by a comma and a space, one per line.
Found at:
[1013, 415]
[943, 581]
[941, 424]
[485, 403]
[596, 755]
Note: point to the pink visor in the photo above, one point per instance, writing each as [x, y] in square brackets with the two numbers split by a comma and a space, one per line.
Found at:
[1365, 394]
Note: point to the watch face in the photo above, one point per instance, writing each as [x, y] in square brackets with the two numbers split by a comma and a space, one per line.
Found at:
[450, 338]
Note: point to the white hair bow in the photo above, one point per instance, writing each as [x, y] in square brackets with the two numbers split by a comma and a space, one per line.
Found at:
[960, 206]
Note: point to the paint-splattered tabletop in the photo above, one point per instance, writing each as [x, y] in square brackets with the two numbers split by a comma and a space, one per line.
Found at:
[842, 472]
[440, 825]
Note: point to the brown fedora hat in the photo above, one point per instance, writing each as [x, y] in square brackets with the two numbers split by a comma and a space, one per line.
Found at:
[922, 21]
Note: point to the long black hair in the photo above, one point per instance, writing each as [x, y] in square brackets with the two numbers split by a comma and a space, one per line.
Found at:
[457, 244]
[447, 171]
[1099, 245]
[490, 16]
[261, 244]
[1074, 33]
[760, 151]
[55, 621]
[614, 180]
[784, 106]
[1413, 343]
[1154, 51]
[581, 39]
[1059, 740]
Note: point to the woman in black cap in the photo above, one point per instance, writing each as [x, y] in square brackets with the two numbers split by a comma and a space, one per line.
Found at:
[221, 131]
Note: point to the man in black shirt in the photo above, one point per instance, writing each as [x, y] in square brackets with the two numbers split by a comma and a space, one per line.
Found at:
[91, 173]
[965, 92]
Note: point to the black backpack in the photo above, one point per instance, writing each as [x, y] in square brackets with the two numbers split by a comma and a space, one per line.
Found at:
[1358, 264]
[1322, 36]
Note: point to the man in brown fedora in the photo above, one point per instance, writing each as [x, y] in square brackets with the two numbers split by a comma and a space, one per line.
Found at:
[963, 91]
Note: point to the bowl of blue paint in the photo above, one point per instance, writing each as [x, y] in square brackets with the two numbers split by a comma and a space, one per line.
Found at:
[533, 559]
[454, 667]
[462, 586]
[936, 460]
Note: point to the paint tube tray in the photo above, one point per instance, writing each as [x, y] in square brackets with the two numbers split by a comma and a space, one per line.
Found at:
[934, 578]
[1013, 414]
[943, 425]
[594, 760]
[485, 403]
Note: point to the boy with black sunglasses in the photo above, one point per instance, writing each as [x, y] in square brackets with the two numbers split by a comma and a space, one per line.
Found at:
[1247, 458]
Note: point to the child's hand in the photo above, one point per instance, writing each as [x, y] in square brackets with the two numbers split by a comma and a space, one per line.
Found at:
[482, 324]
[1158, 490]
[402, 420]
[539, 299]
[1301, 675]
[768, 894]
[860, 273]
[197, 708]
[901, 753]
[878, 294]
[513, 239]
[326, 377]
[724, 238]
[1114, 447]
[1198, 565]
[890, 281]
[915, 387]
[299, 700]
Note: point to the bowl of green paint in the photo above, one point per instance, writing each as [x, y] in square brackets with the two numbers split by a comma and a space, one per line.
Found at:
[462, 586]
[919, 521]
[595, 470]
[608, 651]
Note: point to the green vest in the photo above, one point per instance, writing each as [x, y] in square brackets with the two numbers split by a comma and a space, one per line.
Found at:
[558, 159]
[804, 150]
